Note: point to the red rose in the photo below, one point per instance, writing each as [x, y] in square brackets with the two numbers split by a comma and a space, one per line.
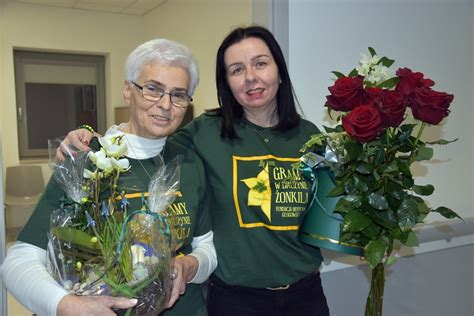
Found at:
[364, 123]
[430, 106]
[409, 81]
[346, 93]
[391, 105]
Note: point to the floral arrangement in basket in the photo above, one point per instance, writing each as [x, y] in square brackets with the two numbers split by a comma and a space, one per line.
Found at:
[369, 154]
[98, 244]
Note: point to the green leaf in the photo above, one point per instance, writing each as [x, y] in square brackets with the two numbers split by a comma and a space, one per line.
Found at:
[424, 153]
[74, 236]
[398, 234]
[355, 221]
[407, 214]
[353, 73]
[391, 260]
[353, 149]
[447, 213]
[374, 252]
[337, 190]
[314, 140]
[379, 156]
[387, 62]
[365, 168]
[329, 129]
[407, 182]
[372, 51]
[338, 74]
[389, 83]
[347, 203]
[391, 167]
[376, 175]
[348, 236]
[343, 206]
[393, 203]
[404, 168]
[395, 190]
[442, 142]
[422, 207]
[369, 84]
[423, 189]
[411, 240]
[360, 183]
[386, 219]
[378, 201]
[406, 131]
[371, 231]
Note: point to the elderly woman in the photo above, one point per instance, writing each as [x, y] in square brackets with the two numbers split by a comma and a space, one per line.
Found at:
[161, 76]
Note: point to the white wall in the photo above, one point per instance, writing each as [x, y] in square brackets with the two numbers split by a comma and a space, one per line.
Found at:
[431, 36]
[201, 25]
[3, 292]
[35, 27]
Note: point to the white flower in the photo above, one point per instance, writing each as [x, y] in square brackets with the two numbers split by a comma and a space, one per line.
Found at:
[96, 156]
[89, 174]
[114, 146]
[138, 254]
[378, 74]
[121, 164]
[105, 164]
[366, 63]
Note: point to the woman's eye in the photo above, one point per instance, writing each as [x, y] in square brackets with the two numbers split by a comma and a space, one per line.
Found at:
[151, 88]
[237, 71]
[261, 64]
[179, 95]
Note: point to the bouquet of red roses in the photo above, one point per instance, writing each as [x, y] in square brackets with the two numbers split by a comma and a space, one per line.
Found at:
[381, 119]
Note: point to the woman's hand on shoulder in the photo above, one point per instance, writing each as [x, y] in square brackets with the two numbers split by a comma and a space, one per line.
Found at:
[100, 305]
[185, 269]
[76, 140]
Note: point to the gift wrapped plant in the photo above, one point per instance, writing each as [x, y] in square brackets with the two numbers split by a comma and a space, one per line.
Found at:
[98, 243]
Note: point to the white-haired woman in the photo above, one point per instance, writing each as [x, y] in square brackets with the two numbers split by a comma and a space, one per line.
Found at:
[161, 76]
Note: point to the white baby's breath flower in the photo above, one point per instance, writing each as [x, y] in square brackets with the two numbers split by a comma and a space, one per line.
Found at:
[114, 146]
[366, 63]
[121, 164]
[378, 74]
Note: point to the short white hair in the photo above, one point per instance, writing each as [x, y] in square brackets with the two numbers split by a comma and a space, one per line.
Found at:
[165, 52]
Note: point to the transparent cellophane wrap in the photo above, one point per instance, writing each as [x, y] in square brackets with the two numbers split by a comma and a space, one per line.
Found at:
[112, 250]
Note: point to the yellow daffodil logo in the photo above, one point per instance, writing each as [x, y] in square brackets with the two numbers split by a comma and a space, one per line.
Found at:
[260, 193]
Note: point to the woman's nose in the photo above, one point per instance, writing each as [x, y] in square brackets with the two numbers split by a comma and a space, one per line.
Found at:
[250, 75]
[165, 102]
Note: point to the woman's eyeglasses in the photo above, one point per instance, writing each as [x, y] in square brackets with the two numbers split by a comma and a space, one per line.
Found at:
[154, 93]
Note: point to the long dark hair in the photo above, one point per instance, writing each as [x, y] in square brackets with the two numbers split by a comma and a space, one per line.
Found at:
[230, 110]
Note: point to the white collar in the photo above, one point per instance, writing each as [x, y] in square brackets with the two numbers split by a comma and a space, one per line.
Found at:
[138, 147]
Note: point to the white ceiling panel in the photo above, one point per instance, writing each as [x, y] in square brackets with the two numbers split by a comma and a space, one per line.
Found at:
[98, 7]
[131, 7]
[135, 11]
[59, 3]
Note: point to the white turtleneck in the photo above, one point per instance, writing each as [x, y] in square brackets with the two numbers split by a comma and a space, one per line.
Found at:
[138, 147]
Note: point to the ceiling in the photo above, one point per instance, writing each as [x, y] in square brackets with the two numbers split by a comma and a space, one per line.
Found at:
[131, 7]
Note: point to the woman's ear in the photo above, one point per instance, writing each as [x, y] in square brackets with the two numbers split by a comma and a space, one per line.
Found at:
[126, 92]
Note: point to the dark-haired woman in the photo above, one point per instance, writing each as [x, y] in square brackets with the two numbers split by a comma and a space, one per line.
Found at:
[248, 146]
